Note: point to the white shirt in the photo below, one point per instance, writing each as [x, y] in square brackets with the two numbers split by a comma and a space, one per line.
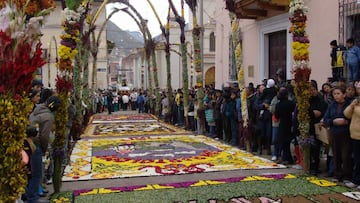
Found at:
[125, 99]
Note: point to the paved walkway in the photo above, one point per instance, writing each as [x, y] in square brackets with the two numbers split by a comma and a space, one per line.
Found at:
[89, 184]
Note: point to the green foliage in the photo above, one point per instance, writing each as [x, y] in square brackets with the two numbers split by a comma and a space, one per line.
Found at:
[73, 4]
[61, 118]
[14, 120]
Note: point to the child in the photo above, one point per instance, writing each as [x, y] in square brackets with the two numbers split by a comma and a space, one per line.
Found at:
[29, 148]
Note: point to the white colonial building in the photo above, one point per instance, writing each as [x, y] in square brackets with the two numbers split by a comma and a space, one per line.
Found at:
[51, 40]
[135, 61]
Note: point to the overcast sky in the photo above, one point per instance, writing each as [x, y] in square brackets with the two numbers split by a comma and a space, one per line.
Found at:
[125, 22]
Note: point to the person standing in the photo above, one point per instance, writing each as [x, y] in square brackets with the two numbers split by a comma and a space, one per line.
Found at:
[275, 128]
[231, 134]
[125, 101]
[133, 99]
[352, 60]
[43, 116]
[217, 115]
[340, 140]
[109, 102]
[353, 112]
[164, 106]
[141, 102]
[316, 111]
[283, 111]
[337, 60]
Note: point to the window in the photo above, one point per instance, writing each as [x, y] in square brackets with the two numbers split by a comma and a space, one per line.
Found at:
[212, 41]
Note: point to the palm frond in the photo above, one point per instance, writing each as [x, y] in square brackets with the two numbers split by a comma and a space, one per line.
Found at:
[192, 4]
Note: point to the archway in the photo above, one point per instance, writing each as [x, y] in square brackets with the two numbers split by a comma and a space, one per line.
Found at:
[210, 76]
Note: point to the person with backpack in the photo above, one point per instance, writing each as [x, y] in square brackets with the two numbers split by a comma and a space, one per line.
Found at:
[337, 60]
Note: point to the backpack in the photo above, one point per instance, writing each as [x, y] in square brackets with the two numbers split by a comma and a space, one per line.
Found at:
[339, 58]
[209, 115]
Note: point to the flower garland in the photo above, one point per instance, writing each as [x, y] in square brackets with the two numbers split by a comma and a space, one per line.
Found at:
[20, 56]
[64, 83]
[301, 72]
[239, 67]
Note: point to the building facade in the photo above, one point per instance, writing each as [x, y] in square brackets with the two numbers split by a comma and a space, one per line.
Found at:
[349, 20]
[266, 41]
[140, 67]
[51, 41]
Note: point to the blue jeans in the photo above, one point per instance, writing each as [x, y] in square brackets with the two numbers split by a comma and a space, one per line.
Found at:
[180, 116]
[275, 141]
[211, 131]
[141, 107]
[198, 129]
[353, 72]
[36, 176]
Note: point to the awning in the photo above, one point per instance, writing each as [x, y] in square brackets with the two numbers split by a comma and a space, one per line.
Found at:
[257, 9]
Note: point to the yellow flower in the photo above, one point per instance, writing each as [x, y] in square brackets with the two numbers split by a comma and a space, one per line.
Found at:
[238, 50]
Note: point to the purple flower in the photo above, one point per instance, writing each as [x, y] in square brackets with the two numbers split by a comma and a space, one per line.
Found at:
[79, 192]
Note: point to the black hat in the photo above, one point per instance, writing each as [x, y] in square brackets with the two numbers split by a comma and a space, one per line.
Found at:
[333, 43]
[33, 93]
[37, 82]
[45, 94]
[53, 103]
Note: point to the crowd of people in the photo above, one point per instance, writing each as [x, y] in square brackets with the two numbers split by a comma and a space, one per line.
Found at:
[271, 126]
[272, 121]
[112, 100]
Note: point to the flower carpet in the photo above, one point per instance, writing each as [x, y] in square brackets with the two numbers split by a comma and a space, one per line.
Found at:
[131, 128]
[263, 188]
[156, 155]
[122, 118]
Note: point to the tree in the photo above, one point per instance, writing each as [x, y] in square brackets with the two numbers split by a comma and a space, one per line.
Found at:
[197, 62]
[302, 73]
[67, 52]
[150, 54]
[166, 33]
[181, 21]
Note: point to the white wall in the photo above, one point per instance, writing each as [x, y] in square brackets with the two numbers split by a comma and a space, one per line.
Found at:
[52, 28]
[322, 27]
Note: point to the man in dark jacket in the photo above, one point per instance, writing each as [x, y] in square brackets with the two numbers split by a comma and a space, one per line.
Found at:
[217, 114]
[317, 110]
[284, 111]
[268, 94]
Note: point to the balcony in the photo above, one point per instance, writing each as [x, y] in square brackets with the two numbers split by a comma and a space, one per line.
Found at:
[257, 9]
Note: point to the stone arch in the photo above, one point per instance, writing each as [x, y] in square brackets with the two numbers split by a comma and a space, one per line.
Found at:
[210, 76]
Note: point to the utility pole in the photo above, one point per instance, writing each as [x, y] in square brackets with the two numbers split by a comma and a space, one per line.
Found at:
[201, 22]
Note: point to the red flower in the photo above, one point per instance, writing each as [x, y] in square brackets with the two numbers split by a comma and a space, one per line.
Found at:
[17, 65]
[63, 84]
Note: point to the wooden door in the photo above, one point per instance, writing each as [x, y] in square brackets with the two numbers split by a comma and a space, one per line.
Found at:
[210, 76]
[277, 53]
